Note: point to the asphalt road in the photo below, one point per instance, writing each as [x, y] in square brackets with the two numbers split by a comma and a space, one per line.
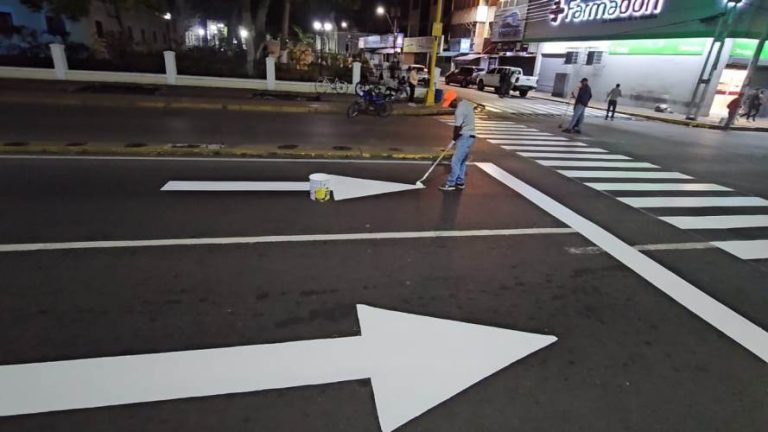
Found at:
[628, 357]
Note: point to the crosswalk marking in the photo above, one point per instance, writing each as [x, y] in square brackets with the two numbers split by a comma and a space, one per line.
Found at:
[746, 249]
[665, 175]
[575, 156]
[718, 222]
[516, 134]
[657, 187]
[681, 202]
[544, 148]
[528, 141]
[596, 164]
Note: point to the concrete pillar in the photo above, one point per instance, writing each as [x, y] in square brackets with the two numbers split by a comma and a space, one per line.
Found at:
[357, 69]
[271, 84]
[60, 65]
[170, 67]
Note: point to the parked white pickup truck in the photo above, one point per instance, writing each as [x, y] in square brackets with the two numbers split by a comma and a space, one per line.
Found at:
[520, 83]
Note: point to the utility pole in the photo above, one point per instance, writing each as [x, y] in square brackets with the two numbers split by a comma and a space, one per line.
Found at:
[747, 84]
[437, 33]
[721, 34]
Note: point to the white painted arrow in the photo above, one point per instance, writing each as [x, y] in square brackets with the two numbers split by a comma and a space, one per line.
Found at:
[343, 187]
[414, 363]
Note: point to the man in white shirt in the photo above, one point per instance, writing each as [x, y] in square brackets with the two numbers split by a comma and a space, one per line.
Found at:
[464, 139]
[613, 97]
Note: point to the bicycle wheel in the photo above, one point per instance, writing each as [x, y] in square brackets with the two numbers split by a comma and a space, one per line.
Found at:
[341, 87]
[321, 86]
[354, 109]
[384, 109]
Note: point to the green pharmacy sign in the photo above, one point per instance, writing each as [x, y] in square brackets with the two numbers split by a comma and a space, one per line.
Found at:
[745, 48]
[687, 46]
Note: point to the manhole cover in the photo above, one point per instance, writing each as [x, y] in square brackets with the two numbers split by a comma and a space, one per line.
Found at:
[74, 144]
[341, 148]
[135, 145]
[16, 144]
[287, 146]
[395, 149]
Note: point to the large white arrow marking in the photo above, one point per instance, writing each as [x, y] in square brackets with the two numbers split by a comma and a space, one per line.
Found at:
[414, 363]
[343, 187]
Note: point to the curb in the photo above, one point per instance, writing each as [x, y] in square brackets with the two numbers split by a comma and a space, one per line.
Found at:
[308, 108]
[214, 150]
[681, 122]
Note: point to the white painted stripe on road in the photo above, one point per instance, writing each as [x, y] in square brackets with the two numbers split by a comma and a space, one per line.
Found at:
[562, 149]
[710, 310]
[575, 156]
[596, 164]
[718, 222]
[625, 174]
[657, 187]
[216, 159]
[675, 202]
[515, 133]
[746, 250]
[28, 247]
[235, 186]
[591, 250]
[537, 142]
[516, 136]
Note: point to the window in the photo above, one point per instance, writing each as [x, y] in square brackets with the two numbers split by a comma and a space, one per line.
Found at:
[572, 57]
[154, 36]
[143, 36]
[594, 58]
[129, 29]
[6, 24]
[492, 71]
[55, 25]
[99, 29]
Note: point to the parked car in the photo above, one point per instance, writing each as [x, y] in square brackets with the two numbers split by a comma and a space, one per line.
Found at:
[421, 71]
[464, 76]
[522, 84]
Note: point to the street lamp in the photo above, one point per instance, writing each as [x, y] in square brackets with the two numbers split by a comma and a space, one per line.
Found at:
[381, 11]
[344, 25]
[327, 26]
[317, 25]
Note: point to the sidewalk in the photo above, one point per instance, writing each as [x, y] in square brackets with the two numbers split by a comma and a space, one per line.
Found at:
[709, 123]
[70, 93]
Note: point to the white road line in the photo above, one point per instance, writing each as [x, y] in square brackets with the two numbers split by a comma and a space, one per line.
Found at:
[717, 222]
[678, 202]
[625, 174]
[657, 187]
[502, 131]
[596, 164]
[215, 159]
[575, 156]
[233, 186]
[562, 149]
[504, 135]
[591, 250]
[741, 330]
[26, 247]
[746, 250]
[537, 142]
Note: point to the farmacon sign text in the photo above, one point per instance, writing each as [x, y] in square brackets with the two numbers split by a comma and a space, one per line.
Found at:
[576, 11]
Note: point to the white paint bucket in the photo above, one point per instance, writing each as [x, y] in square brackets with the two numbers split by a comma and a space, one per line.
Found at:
[319, 187]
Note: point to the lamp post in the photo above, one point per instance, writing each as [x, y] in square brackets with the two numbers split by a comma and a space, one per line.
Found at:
[381, 11]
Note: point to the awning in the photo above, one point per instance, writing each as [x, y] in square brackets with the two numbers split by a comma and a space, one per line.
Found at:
[448, 54]
[387, 51]
[468, 57]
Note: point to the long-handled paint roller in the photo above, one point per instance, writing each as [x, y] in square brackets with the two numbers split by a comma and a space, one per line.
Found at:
[442, 155]
[564, 117]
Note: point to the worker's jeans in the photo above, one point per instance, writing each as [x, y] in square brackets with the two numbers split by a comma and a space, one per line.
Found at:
[612, 104]
[459, 162]
[578, 117]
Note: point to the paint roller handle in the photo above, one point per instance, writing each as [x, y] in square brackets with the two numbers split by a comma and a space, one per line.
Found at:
[436, 162]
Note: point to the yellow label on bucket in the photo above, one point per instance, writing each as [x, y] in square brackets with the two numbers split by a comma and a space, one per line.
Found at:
[322, 194]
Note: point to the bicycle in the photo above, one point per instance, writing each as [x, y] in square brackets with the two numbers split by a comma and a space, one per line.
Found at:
[371, 100]
[324, 84]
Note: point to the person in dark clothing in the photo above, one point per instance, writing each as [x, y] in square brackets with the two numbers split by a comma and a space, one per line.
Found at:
[505, 83]
[613, 97]
[580, 107]
[753, 105]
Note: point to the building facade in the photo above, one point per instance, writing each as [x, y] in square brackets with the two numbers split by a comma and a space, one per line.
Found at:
[656, 49]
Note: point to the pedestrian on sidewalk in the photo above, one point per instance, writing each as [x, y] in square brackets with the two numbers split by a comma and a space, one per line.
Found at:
[464, 139]
[613, 101]
[580, 107]
[505, 83]
[753, 104]
[733, 109]
[413, 81]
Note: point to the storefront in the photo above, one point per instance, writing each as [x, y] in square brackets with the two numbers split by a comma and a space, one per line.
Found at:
[655, 49]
